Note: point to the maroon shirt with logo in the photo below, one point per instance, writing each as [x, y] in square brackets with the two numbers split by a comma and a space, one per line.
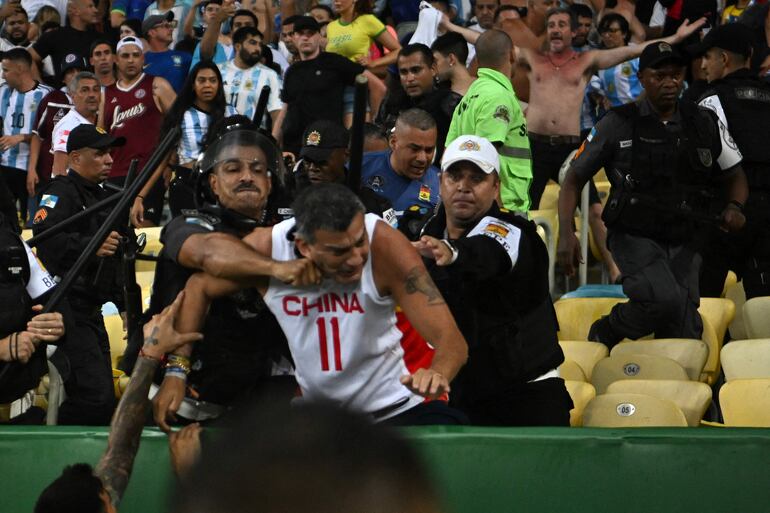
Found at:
[54, 106]
[132, 113]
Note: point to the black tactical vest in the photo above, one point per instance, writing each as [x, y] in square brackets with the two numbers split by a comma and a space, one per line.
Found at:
[746, 103]
[670, 182]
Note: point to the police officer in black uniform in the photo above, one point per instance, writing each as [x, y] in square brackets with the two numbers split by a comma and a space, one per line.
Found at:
[322, 160]
[741, 101]
[672, 170]
[23, 332]
[242, 339]
[492, 269]
[90, 394]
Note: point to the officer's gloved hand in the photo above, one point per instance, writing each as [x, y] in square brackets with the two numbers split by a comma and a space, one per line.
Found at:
[732, 218]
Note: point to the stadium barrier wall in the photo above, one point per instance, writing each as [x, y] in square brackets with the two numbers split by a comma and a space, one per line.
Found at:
[477, 470]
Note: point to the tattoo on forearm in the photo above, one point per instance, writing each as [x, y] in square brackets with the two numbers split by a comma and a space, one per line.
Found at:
[418, 280]
[152, 340]
[114, 468]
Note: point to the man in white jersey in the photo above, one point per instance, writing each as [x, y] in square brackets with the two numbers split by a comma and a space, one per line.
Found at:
[86, 93]
[244, 77]
[19, 98]
[342, 333]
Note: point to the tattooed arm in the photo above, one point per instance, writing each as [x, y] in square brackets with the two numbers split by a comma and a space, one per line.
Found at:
[114, 468]
[399, 271]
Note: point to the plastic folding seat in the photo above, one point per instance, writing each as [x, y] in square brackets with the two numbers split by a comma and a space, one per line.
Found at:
[719, 312]
[581, 394]
[635, 366]
[691, 354]
[746, 402]
[577, 314]
[570, 370]
[746, 359]
[730, 280]
[737, 295]
[548, 221]
[114, 325]
[152, 247]
[584, 353]
[550, 198]
[692, 397]
[756, 317]
[632, 410]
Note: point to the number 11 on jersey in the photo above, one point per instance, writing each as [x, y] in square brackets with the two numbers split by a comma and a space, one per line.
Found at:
[322, 338]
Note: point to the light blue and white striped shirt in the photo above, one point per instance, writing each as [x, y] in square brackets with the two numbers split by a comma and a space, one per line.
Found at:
[195, 124]
[619, 84]
[243, 86]
[17, 111]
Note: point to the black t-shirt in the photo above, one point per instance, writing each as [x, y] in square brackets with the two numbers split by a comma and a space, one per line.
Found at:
[65, 41]
[313, 90]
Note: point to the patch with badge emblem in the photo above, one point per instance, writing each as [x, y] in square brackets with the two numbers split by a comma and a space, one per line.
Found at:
[49, 200]
[502, 113]
[40, 216]
[424, 193]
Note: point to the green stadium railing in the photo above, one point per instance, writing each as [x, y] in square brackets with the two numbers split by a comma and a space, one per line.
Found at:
[476, 470]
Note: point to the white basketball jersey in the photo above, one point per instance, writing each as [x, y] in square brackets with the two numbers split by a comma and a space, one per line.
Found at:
[344, 339]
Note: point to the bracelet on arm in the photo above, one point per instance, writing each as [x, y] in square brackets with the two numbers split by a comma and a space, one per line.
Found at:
[176, 372]
[150, 357]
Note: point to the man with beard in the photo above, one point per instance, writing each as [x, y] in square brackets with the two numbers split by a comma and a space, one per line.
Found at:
[485, 15]
[133, 108]
[244, 77]
[585, 20]
[16, 28]
[561, 72]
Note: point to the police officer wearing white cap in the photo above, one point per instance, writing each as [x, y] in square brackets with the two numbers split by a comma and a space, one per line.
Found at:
[491, 268]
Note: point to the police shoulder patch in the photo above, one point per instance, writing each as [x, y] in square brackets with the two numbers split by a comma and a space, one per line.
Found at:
[48, 200]
[502, 113]
[40, 216]
[504, 233]
[390, 217]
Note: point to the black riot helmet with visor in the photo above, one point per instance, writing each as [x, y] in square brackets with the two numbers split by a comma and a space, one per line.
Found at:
[223, 146]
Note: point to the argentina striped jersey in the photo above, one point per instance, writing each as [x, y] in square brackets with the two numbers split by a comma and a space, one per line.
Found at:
[17, 111]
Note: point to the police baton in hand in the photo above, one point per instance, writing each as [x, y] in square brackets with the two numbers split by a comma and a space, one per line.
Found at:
[259, 113]
[129, 193]
[357, 133]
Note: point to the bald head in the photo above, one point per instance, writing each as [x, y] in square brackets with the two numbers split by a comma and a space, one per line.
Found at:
[493, 49]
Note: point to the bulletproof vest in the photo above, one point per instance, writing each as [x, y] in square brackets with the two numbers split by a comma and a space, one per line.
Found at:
[746, 102]
[670, 182]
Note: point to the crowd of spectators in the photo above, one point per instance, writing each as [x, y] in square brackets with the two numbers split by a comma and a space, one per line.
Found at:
[531, 77]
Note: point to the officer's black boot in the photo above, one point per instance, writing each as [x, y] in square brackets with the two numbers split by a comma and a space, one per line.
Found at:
[601, 332]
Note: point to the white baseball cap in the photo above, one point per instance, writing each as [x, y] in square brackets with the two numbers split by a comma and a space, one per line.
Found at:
[129, 40]
[473, 149]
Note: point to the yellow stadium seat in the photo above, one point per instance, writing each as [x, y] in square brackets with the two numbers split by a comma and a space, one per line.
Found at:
[730, 280]
[692, 397]
[632, 410]
[26, 234]
[570, 370]
[737, 295]
[746, 359]
[144, 279]
[713, 367]
[581, 393]
[548, 220]
[691, 354]
[550, 198]
[577, 314]
[152, 247]
[584, 353]
[746, 402]
[634, 366]
[756, 317]
[719, 312]
[114, 325]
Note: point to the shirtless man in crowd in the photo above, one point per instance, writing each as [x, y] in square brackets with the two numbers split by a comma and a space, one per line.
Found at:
[561, 72]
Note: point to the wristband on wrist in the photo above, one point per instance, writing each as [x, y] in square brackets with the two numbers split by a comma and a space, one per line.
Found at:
[151, 357]
[176, 372]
